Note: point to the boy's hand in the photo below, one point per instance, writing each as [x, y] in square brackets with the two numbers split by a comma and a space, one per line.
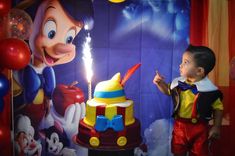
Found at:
[158, 78]
[214, 133]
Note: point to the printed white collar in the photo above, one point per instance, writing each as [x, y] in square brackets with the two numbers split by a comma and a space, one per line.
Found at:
[204, 85]
[38, 70]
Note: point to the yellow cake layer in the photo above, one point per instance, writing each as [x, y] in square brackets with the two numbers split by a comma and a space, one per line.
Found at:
[110, 111]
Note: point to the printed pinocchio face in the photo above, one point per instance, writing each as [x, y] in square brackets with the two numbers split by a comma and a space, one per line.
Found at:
[52, 44]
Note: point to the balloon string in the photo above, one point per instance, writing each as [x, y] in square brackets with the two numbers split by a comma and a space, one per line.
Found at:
[10, 75]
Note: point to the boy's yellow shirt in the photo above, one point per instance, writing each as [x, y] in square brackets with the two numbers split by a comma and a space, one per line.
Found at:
[186, 104]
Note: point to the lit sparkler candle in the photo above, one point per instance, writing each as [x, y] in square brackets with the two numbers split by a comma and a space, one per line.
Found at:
[87, 59]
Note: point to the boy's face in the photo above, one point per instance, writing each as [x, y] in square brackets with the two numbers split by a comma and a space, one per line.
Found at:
[188, 67]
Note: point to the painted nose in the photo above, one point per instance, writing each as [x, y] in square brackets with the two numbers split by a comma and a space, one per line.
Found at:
[61, 48]
[32, 145]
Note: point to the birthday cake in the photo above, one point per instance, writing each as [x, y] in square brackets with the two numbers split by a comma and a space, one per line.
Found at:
[109, 123]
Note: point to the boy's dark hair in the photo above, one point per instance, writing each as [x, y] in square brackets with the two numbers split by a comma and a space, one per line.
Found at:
[204, 57]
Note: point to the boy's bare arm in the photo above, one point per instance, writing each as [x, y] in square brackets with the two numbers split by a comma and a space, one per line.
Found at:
[215, 130]
[163, 87]
[218, 116]
[160, 83]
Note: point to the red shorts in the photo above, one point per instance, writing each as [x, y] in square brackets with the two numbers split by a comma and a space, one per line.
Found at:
[189, 137]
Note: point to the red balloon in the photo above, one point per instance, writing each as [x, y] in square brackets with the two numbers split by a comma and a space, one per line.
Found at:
[1, 69]
[14, 53]
[5, 138]
[5, 6]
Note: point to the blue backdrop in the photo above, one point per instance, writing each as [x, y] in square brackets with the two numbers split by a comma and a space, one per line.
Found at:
[151, 32]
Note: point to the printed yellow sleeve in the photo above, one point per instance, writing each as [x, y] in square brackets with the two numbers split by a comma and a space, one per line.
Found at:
[218, 105]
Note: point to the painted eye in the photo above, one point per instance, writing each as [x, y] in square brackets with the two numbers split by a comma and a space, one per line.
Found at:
[54, 138]
[25, 142]
[49, 29]
[70, 36]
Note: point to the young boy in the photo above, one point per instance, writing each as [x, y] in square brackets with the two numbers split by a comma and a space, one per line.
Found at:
[196, 100]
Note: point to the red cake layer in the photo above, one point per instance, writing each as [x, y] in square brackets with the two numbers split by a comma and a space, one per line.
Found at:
[108, 138]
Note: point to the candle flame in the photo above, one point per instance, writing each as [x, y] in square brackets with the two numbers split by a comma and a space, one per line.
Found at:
[87, 58]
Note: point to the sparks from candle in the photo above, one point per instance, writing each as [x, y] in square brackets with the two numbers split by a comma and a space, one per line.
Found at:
[87, 58]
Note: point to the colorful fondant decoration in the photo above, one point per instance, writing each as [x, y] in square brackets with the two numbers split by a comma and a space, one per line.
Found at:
[25, 144]
[56, 141]
[109, 123]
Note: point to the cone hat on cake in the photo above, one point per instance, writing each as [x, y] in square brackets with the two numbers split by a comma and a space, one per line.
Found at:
[110, 91]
